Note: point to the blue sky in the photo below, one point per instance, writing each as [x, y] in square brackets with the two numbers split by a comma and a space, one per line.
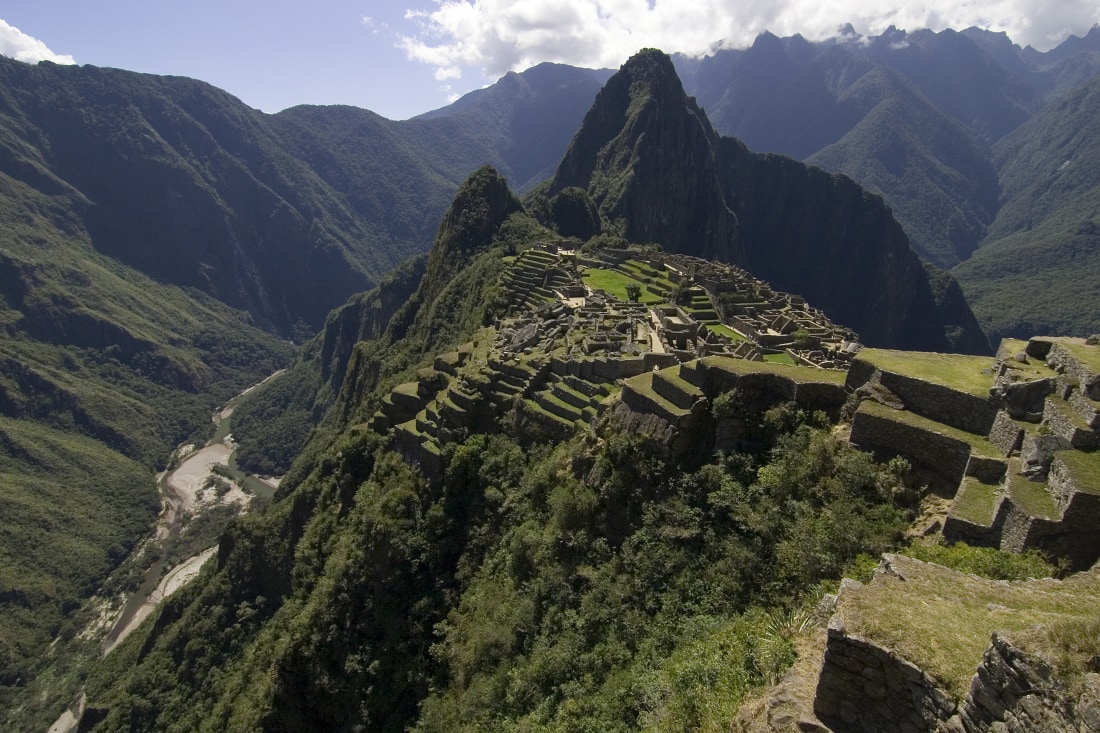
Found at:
[403, 57]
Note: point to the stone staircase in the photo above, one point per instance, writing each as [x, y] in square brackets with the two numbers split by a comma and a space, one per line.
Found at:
[535, 276]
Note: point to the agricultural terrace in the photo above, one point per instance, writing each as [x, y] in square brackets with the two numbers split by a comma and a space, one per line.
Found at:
[969, 374]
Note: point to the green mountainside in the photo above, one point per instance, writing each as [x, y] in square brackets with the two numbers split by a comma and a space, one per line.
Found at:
[492, 531]
[103, 372]
[466, 538]
[934, 123]
[1037, 266]
[371, 595]
[155, 235]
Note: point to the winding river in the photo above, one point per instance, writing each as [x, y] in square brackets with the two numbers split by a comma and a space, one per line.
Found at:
[183, 493]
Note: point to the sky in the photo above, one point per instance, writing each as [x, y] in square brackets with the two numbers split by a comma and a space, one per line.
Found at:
[400, 58]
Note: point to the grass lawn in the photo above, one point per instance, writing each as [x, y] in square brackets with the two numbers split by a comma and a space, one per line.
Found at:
[978, 443]
[1034, 498]
[781, 358]
[957, 371]
[976, 502]
[1084, 469]
[614, 283]
[941, 620]
[1089, 356]
[723, 330]
[796, 373]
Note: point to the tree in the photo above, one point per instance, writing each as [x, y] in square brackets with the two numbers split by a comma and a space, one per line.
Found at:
[634, 292]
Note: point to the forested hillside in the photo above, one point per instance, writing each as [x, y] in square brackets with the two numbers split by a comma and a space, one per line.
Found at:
[585, 583]
[163, 246]
[159, 241]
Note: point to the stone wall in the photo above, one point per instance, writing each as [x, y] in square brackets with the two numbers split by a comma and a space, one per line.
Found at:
[1006, 434]
[1062, 360]
[1062, 420]
[601, 368]
[1014, 691]
[943, 404]
[956, 529]
[938, 454]
[986, 470]
[865, 687]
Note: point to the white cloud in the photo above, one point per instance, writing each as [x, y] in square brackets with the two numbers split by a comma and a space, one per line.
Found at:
[16, 44]
[496, 36]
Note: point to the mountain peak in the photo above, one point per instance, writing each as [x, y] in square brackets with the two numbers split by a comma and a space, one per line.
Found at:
[645, 155]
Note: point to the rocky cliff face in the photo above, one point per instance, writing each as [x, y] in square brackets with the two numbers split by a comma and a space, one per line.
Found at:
[822, 236]
[649, 159]
[646, 155]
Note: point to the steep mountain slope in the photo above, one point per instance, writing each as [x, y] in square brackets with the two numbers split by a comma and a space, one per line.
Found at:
[904, 146]
[281, 215]
[656, 170]
[529, 117]
[1036, 271]
[184, 183]
[372, 597]
[909, 115]
[103, 372]
[646, 156]
[844, 108]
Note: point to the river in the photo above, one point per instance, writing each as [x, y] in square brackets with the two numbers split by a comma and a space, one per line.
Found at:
[184, 492]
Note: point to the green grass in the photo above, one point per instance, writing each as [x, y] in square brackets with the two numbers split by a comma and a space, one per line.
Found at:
[1033, 498]
[1088, 356]
[978, 443]
[614, 283]
[976, 502]
[797, 373]
[781, 358]
[909, 614]
[956, 371]
[723, 330]
[1084, 469]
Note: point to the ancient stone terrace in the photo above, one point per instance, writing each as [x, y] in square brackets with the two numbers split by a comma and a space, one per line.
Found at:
[720, 307]
[1012, 444]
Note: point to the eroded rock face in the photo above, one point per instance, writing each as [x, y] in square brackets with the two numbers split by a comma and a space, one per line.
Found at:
[646, 155]
[1016, 691]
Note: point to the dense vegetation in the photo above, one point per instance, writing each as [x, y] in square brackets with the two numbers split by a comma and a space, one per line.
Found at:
[142, 242]
[585, 585]
[582, 586]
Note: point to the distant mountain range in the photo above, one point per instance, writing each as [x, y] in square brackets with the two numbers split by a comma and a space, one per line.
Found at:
[959, 131]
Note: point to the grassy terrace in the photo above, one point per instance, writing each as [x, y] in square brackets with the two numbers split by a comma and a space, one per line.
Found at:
[1089, 356]
[978, 443]
[1084, 469]
[726, 331]
[643, 385]
[956, 371]
[911, 615]
[1033, 369]
[799, 374]
[615, 283]
[1034, 498]
[781, 358]
[976, 502]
